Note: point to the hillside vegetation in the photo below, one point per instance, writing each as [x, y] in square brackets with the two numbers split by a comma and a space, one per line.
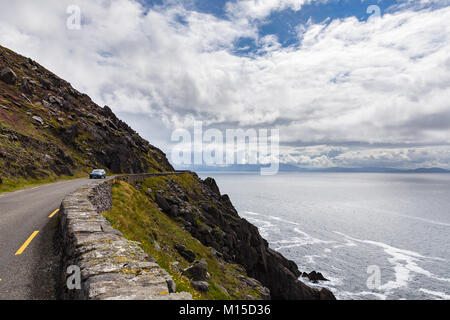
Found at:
[140, 219]
[49, 130]
[184, 222]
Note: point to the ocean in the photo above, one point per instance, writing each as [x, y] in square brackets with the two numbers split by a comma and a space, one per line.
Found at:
[373, 235]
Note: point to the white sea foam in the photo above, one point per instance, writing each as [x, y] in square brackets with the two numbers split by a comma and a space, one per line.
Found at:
[264, 226]
[252, 213]
[284, 220]
[441, 295]
[347, 295]
[303, 240]
[405, 264]
[310, 258]
[271, 217]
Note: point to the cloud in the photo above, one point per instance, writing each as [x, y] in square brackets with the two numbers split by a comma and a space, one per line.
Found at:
[384, 81]
[257, 9]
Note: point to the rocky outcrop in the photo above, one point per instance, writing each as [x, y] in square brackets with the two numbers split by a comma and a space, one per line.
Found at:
[8, 76]
[111, 266]
[43, 117]
[211, 218]
[314, 276]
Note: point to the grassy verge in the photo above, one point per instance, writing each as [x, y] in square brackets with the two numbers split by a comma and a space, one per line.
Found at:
[139, 219]
[15, 184]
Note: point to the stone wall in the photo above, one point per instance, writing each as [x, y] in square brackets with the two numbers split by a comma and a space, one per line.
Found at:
[111, 266]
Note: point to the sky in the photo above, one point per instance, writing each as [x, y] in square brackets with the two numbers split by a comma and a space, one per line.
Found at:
[348, 83]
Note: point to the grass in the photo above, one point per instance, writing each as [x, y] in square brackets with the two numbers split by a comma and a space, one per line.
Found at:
[14, 184]
[139, 219]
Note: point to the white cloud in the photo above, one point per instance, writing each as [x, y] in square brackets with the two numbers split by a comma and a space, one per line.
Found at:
[260, 9]
[384, 81]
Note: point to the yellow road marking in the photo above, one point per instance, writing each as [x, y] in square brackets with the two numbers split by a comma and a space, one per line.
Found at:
[53, 213]
[25, 245]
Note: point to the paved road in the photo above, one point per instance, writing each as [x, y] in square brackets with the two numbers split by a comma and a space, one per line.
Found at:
[30, 275]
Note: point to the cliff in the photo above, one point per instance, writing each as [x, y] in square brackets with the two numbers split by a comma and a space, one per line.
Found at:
[198, 208]
[49, 130]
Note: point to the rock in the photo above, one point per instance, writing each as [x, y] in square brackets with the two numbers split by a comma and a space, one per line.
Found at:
[38, 119]
[8, 76]
[211, 183]
[239, 241]
[46, 104]
[265, 293]
[216, 253]
[26, 86]
[45, 84]
[157, 247]
[55, 100]
[172, 286]
[187, 254]
[69, 134]
[326, 294]
[198, 271]
[173, 211]
[201, 286]
[315, 276]
[223, 289]
[162, 203]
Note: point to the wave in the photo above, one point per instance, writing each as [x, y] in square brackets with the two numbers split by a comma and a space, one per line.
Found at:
[405, 263]
[438, 294]
[305, 239]
[252, 213]
[347, 295]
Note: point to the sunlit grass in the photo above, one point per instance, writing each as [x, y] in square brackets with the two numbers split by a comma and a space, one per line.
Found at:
[139, 219]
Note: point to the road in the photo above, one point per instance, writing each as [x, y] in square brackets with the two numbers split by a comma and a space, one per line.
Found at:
[28, 256]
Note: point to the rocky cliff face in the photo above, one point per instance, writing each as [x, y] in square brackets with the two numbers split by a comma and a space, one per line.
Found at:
[211, 218]
[49, 129]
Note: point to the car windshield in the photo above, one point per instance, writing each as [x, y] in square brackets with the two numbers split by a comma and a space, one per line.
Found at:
[97, 171]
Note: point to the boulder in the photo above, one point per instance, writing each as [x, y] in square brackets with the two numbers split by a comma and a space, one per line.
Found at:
[315, 276]
[26, 86]
[162, 203]
[187, 254]
[39, 120]
[198, 271]
[45, 84]
[172, 286]
[8, 76]
[201, 286]
[326, 294]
